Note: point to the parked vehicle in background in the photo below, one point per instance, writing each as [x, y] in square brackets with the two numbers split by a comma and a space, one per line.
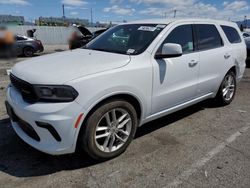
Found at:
[136, 72]
[246, 34]
[247, 40]
[6, 43]
[27, 47]
[82, 36]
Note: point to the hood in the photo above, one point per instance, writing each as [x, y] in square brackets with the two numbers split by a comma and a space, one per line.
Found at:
[84, 31]
[61, 67]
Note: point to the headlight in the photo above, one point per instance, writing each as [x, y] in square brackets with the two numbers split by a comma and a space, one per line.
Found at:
[55, 93]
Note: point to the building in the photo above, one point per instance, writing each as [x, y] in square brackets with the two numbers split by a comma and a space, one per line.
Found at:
[53, 21]
[11, 20]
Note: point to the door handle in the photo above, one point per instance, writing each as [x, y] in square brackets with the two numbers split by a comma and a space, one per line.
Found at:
[226, 56]
[193, 63]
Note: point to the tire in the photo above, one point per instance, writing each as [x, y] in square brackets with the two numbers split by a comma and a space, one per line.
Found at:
[28, 51]
[91, 139]
[223, 97]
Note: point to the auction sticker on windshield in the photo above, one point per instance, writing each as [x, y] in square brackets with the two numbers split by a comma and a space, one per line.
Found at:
[146, 28]
[161, 26]
[130, 51]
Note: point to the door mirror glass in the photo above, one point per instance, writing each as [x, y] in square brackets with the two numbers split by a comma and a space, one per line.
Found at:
[169, 50]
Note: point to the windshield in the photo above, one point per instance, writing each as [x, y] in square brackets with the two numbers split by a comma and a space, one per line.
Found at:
[127, 39]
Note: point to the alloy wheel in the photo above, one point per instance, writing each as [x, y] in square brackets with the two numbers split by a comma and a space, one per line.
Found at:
[113, 130]
[228, 87]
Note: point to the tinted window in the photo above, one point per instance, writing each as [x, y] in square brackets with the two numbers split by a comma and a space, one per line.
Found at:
[232, 34]
[208, 37]
[182, 35]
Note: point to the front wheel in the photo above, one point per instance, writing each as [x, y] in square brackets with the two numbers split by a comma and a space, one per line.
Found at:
[109, 130]
[227, 89]
[28, 51]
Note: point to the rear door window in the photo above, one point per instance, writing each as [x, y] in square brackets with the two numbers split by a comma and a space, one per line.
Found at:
[208, 37]
[232, 34]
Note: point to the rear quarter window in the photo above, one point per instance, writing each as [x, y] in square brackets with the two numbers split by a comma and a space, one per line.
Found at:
[232, 34]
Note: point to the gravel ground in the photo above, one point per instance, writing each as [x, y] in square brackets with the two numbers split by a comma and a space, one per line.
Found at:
[201, 146]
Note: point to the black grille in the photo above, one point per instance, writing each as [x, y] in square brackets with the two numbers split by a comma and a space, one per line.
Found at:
[25, 88]
[28, 129]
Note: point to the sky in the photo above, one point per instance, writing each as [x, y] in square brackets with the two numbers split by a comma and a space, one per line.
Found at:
[118, 10]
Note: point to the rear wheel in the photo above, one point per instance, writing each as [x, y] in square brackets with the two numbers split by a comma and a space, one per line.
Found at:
[28, 51]
[227, 89]
[109, 130]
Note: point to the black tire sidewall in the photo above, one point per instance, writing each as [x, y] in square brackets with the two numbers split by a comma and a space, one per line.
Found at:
[88, 141]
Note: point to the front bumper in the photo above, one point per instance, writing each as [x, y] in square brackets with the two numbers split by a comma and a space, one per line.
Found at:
[61, 116]
[39, 49]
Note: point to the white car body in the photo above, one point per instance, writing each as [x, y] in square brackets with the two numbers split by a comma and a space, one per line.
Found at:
[159, 88]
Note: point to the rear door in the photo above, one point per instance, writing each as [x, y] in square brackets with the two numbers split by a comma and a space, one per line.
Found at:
[213, 57]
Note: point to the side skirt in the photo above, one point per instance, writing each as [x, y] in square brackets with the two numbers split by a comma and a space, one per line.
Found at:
[176, 108]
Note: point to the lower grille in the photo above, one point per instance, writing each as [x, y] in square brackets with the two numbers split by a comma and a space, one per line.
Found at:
[28, 129]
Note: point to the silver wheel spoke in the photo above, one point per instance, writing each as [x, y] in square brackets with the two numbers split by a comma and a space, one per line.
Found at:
[107, 119]
[123, 132]
[123, 123]
[102, 135]
[105, 144]
[224, 92]
[119, 138]
[122, 117]
[101, 128]
[112, 141]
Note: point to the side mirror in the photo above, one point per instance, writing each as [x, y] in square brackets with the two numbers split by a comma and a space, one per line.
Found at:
[169, 50]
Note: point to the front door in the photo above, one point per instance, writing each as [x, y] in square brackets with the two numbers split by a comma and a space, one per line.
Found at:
[176, 79]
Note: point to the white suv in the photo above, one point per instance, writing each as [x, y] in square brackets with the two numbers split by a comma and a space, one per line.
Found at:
[96, 97]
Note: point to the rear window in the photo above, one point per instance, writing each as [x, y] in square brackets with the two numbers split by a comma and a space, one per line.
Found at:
[232, 34]
[208, 37]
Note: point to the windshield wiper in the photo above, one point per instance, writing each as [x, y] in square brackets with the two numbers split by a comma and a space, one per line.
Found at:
[99, 49]
[106, 50]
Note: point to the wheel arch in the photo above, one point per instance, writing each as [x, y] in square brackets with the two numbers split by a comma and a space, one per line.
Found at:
[234, 70]
[135, 101]
[132, 99]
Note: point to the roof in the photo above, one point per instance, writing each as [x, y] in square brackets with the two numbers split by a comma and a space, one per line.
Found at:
[168, 21]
